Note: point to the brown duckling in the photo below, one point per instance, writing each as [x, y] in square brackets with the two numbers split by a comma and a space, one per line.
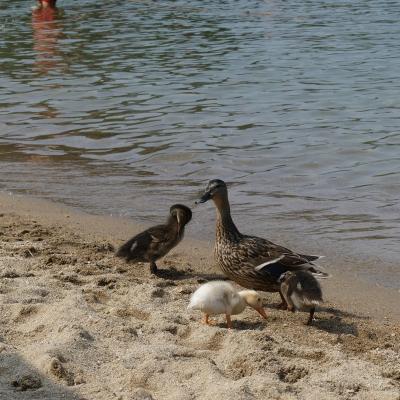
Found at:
[157, 241]
[251, 261]
[301, 291]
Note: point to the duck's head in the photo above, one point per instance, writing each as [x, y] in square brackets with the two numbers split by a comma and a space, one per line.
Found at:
[182, 214]
[285, 276]
[254, 300]
[215, 188]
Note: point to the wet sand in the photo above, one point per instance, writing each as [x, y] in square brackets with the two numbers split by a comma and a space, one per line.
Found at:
[77, 323]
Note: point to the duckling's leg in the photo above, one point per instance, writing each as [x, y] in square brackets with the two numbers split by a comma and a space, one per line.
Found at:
[228, 321]
[206, 320]
[311, 317]
[153, 267]
[283, 305]
[290, 305]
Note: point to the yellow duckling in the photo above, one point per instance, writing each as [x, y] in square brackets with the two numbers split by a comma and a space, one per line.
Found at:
[220, 297]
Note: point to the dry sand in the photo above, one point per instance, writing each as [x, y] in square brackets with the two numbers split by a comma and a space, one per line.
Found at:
[77, 323]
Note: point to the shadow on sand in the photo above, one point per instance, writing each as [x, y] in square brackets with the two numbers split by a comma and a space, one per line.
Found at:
[21, 381]
[180, 275]
[336, 325]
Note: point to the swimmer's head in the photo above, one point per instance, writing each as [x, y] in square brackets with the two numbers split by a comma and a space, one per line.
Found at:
[47, 3]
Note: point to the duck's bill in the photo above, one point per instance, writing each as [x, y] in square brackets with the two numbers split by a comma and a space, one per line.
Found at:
[206, 196]
[262, 312]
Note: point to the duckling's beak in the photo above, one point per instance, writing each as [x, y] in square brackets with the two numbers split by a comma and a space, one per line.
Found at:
[206, 196]
[262, 312]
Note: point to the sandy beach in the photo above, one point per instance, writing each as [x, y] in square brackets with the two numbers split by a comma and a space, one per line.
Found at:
[77, 323]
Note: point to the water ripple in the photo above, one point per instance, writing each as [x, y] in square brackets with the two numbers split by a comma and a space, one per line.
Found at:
[296, 104]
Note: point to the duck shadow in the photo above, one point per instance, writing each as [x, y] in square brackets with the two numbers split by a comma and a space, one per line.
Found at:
[180, 275]
[248, 325]
[336, 325]
[241, 325]
[342, 314]
[275, 306]
[333, 323]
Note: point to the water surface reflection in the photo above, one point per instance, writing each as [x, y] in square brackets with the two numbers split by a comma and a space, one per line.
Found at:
[116, 106]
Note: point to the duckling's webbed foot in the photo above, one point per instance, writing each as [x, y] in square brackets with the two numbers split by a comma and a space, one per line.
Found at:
[207, 320]
[153, 268]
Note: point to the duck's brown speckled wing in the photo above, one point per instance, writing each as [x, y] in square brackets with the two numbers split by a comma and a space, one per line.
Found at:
[257, 262]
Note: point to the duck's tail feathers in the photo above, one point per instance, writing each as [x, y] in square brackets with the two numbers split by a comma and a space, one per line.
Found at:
[301, 300]
[126, 250]
[318, 272]
[310, 302]
[270, 262]
[311, 257]
[122, 252]
[193, 305]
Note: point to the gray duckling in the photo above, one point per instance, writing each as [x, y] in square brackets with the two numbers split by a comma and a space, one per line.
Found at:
[301, 291]
[155, 242]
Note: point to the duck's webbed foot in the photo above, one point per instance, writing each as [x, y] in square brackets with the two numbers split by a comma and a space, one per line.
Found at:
[153, 268]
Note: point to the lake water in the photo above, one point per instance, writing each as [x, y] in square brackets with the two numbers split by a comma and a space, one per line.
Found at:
[126, 107]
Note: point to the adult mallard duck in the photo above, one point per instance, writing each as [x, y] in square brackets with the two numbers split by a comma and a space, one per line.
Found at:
[219, 297]
[157, 241]
[251, 261]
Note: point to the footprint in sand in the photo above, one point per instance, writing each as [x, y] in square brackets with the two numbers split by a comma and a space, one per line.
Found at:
[25, 312]
[291, 373]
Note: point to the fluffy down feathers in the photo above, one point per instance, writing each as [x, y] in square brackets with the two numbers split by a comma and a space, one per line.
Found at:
[214, 298]
[302, 288]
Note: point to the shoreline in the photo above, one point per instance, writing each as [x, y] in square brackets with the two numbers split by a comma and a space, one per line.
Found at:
[345, 289]
[77, 323]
